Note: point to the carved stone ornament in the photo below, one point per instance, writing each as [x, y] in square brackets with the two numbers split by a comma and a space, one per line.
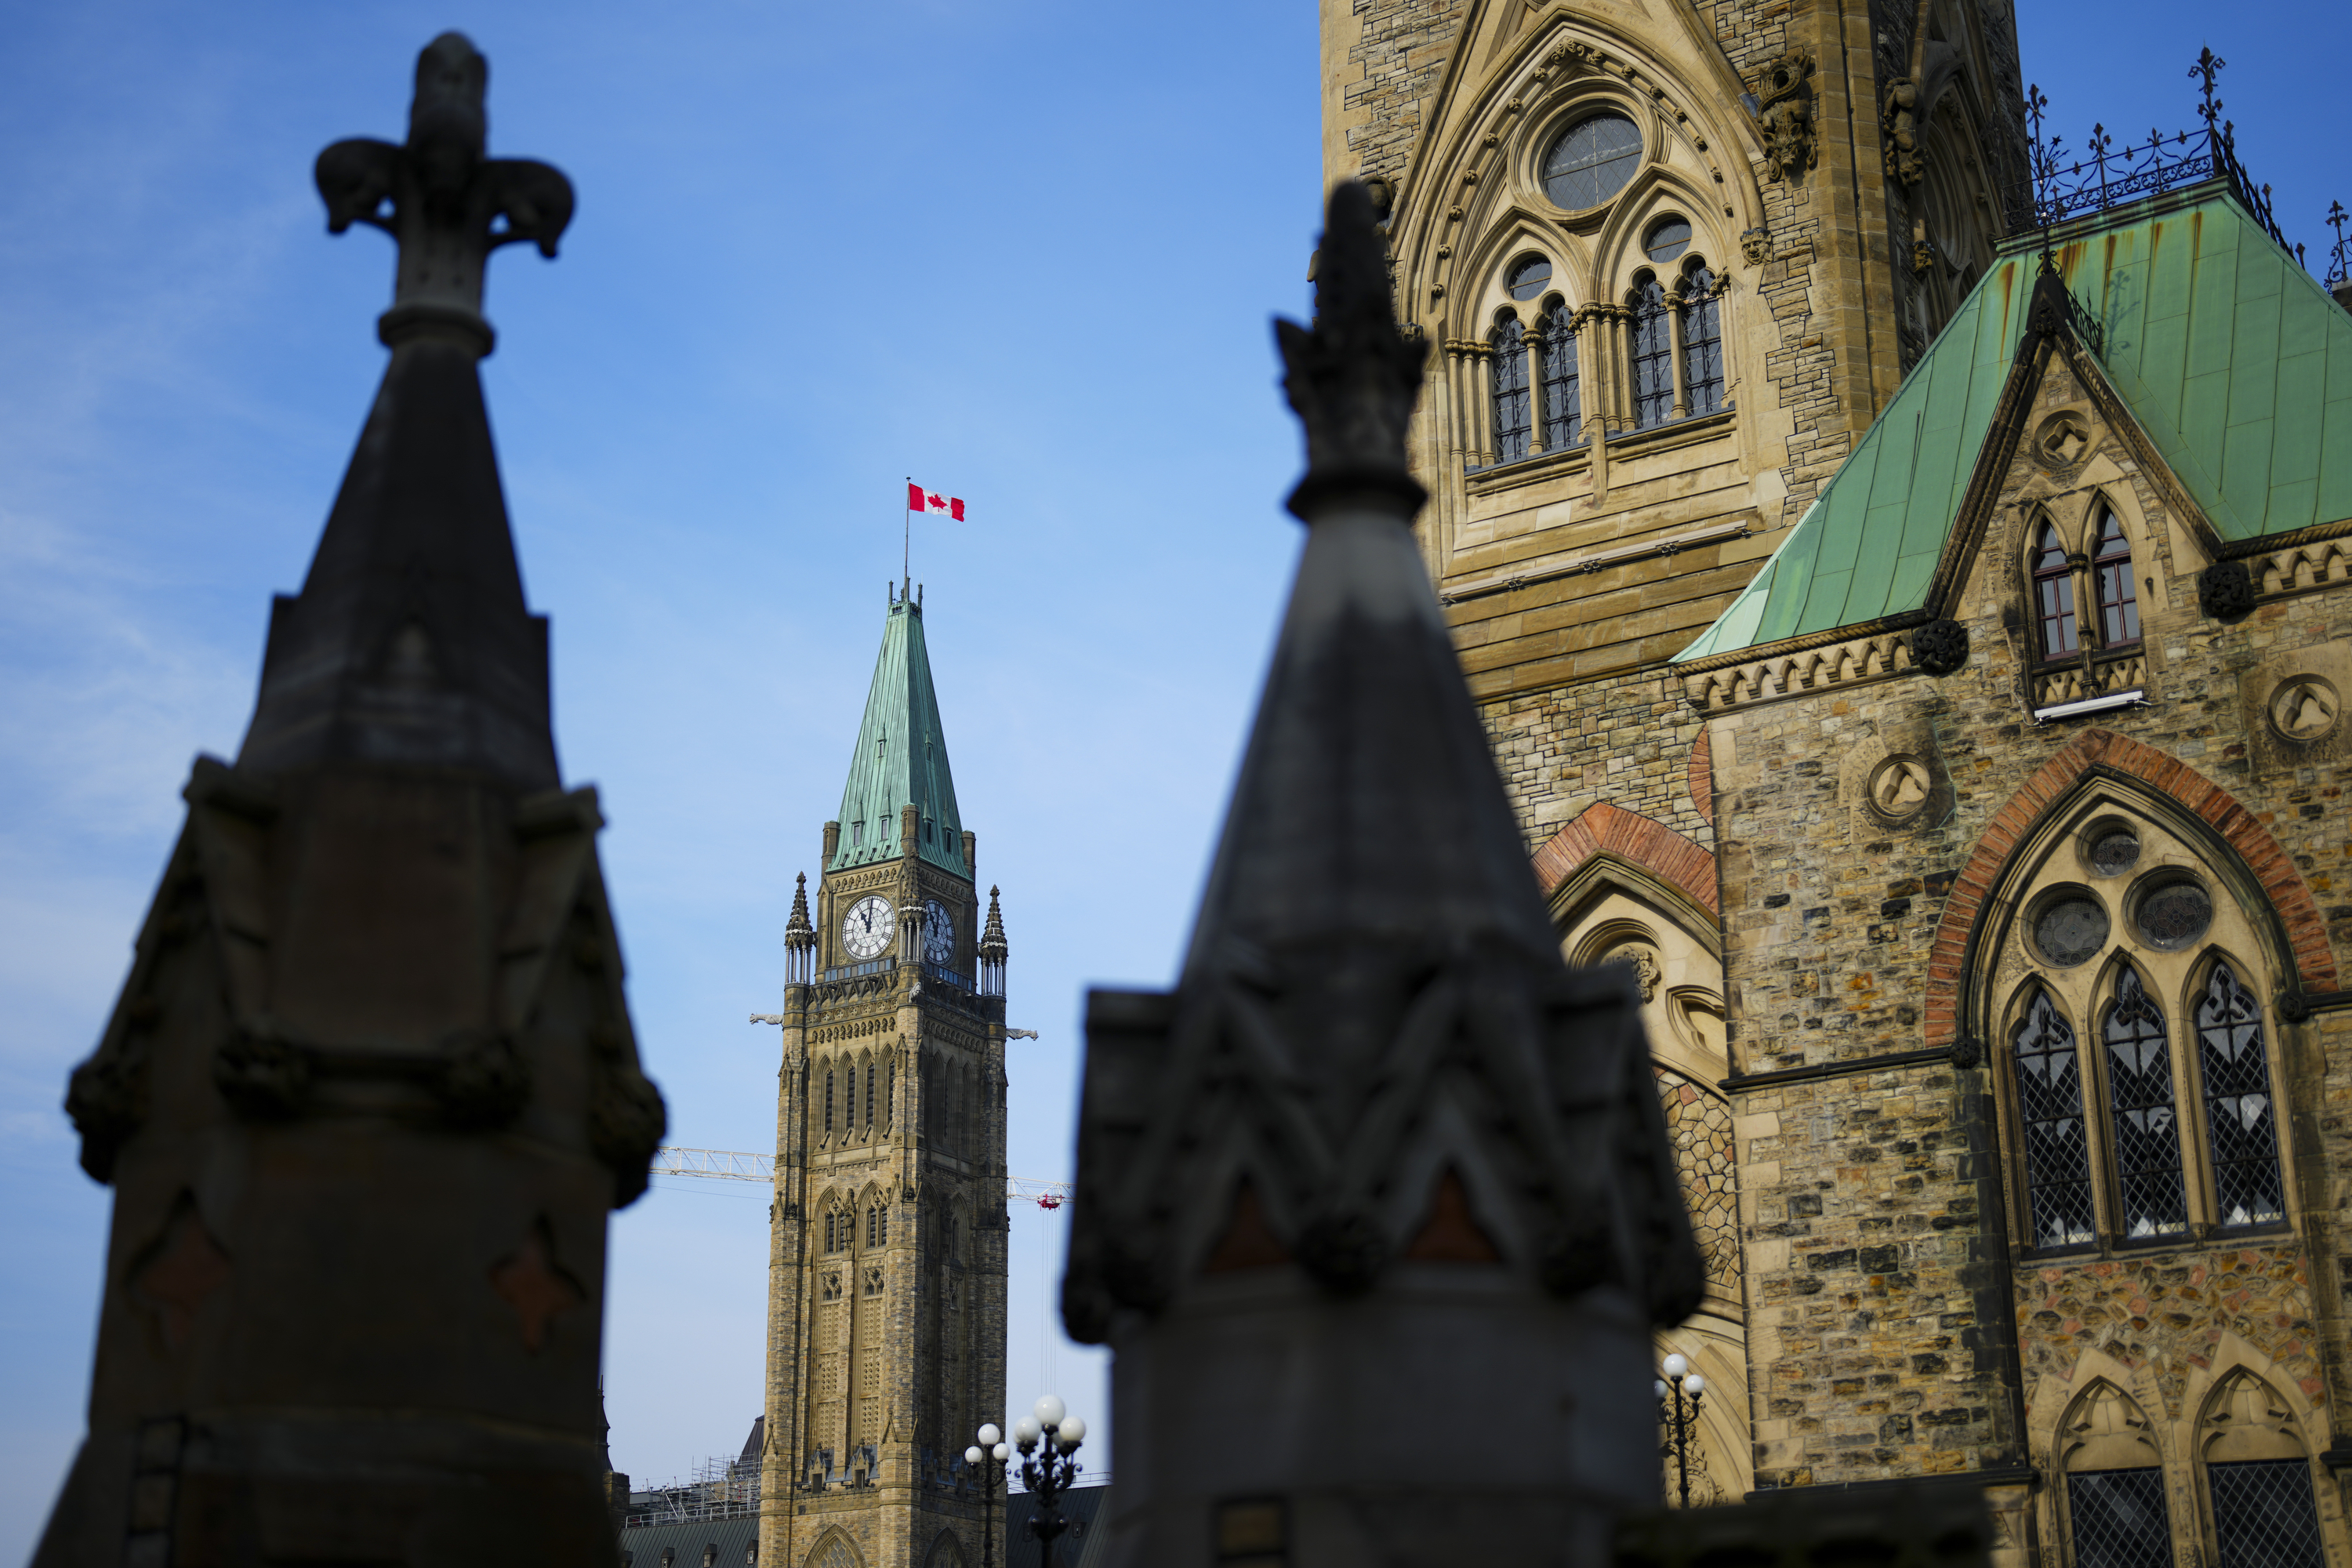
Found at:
[1900, 788]
[1352, 376]
[2225, 591]
[447, 204]
[2305, 708]
[1900, 118]
[1785, 114]
[1755, 245]
[1940, 647]
[1965, 1052]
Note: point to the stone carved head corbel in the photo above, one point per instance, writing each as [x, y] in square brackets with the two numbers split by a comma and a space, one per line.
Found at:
[443, 203]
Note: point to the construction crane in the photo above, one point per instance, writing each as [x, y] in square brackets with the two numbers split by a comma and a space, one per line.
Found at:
[726, 1165]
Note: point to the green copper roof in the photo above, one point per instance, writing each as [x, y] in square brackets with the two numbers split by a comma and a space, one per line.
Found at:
[2236, 364]
[901, 758]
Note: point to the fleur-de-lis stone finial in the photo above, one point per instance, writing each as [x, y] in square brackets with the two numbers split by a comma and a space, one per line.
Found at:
[446, 204]
[1351, 375]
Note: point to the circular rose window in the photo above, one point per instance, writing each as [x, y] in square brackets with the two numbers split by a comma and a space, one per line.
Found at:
[2114, 850]
[2173, 914]
[2071, 930]
[1591, 161]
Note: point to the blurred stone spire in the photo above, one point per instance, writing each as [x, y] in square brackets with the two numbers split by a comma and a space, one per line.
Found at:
[410, 641]
[1381, 1152]
[370, 1088]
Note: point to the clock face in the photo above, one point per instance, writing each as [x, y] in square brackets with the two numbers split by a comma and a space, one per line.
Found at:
[938, 934]
[868, 927]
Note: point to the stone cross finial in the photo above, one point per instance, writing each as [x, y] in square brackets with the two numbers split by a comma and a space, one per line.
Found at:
[445, 204]
[1351, 375]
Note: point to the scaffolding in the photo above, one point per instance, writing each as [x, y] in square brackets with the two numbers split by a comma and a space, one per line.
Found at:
[719, 1488]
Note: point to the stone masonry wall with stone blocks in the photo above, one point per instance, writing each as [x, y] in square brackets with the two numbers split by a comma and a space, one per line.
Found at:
[1627, 741]
[1876, 1206]
[1397, 51]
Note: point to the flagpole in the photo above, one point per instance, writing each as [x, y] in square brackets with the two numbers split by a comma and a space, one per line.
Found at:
[907, 532]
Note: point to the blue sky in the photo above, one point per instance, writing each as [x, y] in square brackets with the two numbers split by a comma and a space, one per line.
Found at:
[1024, 251]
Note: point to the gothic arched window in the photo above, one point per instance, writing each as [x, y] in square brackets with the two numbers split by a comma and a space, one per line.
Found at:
[2146, 1123]
[1563, 411]
[1508, 370]
[2258, 1476]
[869, 1097]
[2241, 1119]
[2116, 1511]
[2057, 1151]
[2053, 595]
[1653, 354]
[1702, 340]
[2111, 572]
[828, 1102]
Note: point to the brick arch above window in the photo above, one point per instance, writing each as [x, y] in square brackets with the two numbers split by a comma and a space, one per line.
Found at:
[2049, 789]
[1605, 830]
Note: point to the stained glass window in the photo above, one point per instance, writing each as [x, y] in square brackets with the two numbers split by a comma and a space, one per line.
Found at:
[1668, 237]
[1563, 409]
[2053, 596]
[1702, 330]
[1653, 356]
[1592, 161]
[2057, 1157]
[1509, 370]
[2111, 569]
[2145, 1121]
[2241, 1119]
[1528, 277]
[2118, 1518]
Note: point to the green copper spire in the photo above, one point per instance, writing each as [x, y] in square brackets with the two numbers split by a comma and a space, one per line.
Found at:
[901, 758]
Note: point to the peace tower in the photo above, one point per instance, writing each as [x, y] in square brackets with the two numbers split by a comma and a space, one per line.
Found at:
[886, 1300]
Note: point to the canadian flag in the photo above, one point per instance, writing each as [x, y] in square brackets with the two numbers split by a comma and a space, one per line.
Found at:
[920, 499]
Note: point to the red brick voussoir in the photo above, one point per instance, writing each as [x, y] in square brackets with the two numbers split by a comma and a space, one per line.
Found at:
[2297, 910]
[1606, 830]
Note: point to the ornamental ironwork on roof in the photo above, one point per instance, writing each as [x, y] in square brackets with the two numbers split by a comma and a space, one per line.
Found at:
[901, 758]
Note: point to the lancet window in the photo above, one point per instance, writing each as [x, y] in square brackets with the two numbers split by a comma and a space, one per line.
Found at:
[2111, 572]
[1508, 367]
[2258, 1478]
[2138, 1059]
[828, 1102]
[1563, 402]
[1653, 354]
[2053, 595]
[2117, 1515]
[1700, 321]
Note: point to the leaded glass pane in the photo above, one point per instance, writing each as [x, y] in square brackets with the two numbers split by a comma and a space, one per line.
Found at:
[2174, 915]
[1509, 370]
[1702, 325]
[1592, 161]
[2069, 931]
[1528, 275]
[2239, 1118]
[2057, 1156]
[1563, 403]
[2145, 1120]
[1653, 357]
[2118, 1518]
[2263, 1514]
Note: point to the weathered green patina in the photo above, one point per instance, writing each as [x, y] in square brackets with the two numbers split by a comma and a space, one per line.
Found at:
[901, 758]
[2234, 362]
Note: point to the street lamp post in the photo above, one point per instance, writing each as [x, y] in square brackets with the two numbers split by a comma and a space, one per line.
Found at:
[1679, 1392]
[1048, 1475]
[987, 1457]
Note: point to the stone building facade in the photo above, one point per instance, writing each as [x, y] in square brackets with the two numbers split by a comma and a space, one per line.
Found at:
[1922, 663]
[1670, 262]
[886, 1272]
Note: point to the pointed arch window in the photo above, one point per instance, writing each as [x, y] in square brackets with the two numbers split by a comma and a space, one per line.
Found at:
[2146, 1124]
[869, 1097]
[2057, 1151]
[2258, 1476]
[2111, 574]
[2053, 595]
[2241, 1119]
[1563, 410]
[2115, 1511]
[1653, 354]
[1701, 329]
[1507, 367]
[828, 1102]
